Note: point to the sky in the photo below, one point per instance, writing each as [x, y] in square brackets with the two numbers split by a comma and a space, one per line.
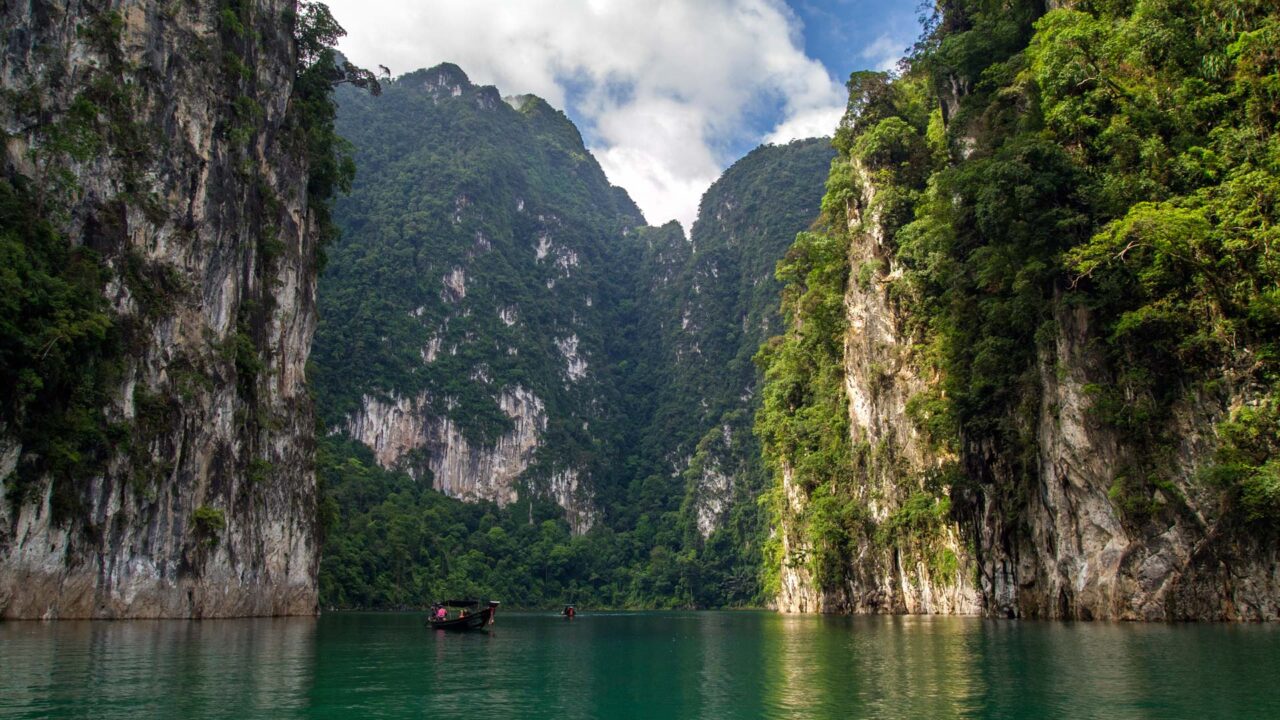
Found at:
[666, 93]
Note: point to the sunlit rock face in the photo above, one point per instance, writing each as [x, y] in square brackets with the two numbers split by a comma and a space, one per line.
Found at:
[798, 592]
[458, 467]
[205, 507]
[1057, 548]
[908, 573]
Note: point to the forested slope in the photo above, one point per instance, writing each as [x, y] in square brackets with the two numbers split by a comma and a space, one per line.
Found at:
[464, 308]
[499, 327]
[1032, 359]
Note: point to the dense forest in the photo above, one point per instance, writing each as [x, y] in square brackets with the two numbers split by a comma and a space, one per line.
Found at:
[1101, 176]
[479, 237]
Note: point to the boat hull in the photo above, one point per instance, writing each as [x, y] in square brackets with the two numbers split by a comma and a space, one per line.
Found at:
[476, 621]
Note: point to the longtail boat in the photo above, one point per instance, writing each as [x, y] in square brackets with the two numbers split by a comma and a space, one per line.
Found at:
[468, 617]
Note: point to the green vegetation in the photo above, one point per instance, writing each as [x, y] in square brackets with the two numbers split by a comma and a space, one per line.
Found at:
[707, 386]
[468, 184]
[1248, 462]
[1104, 176]
[59, 351]
[330, 167]
[1175, 108]
[61, 347]
[392, 541]
[209, 524]
[479, 233]
[804, 421]
[1112, 160]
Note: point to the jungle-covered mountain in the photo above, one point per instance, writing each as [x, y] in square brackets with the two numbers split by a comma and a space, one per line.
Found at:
[1032, 365]
[525, 391]
[1026, 361]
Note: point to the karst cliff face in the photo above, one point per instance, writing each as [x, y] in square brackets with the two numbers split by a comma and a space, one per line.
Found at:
[1077, 554]
[469, 302]
[1058, 547]
[160, 136]
[1026, 375]
[459, 469]
[497, 320]
[929, 571]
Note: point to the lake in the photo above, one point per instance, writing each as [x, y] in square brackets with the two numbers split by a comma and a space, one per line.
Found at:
[636, 665]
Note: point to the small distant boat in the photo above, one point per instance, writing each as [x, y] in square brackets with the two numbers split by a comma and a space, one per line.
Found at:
[569, 611]
[471, 616]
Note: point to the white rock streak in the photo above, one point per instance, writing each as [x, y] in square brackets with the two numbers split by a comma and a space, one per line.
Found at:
[575, 365]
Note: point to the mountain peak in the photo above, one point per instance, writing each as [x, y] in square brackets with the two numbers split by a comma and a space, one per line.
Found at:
[445, 79]
[520, 102]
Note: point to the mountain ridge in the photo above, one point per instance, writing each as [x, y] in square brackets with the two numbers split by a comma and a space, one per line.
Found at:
[529, 290]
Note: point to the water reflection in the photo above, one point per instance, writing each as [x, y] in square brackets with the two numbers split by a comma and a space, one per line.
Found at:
[730, 659]
[918, 666]
[872, 667]
[788, 683]
[636, 665]
[157, 668]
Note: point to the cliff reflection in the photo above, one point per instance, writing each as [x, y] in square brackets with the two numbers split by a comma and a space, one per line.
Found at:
[827, 667]
[635, 665]
[156, 668]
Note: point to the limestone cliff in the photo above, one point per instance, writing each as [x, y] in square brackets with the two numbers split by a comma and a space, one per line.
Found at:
[400, 432]
[921, 568]
[468, 305]
[1050, 389]
[161, 138]
[1076, 555]
[1060, 548]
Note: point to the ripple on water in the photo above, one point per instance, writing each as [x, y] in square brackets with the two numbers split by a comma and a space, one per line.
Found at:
[635, 665]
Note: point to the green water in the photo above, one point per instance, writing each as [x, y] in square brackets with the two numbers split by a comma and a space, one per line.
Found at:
[637, 665]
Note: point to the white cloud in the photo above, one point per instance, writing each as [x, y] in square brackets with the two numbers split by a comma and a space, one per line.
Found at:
[810, 123]
[884, 52]
[664, 85]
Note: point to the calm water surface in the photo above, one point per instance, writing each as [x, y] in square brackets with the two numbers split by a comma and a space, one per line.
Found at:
[637, 665]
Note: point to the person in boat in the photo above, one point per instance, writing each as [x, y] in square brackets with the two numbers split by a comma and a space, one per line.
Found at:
[569, 611]
[441, 613]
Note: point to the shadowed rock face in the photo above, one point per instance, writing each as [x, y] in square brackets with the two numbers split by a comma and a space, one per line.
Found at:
[1078, 558]
[208, 508]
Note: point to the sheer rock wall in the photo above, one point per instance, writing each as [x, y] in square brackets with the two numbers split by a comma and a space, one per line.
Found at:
[208, 509]
[1046, 544]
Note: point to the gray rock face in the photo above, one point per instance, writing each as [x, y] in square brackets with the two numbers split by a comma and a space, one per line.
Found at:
[1053, 545]
[399, 431]
[1079, 558]
[210, 510]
